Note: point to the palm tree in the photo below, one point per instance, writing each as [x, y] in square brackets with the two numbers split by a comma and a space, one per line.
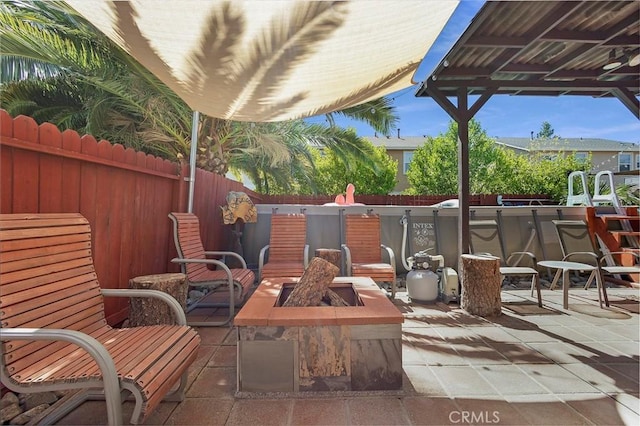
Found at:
[56, 67]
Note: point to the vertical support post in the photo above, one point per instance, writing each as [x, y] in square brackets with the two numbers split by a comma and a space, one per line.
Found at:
[463, 173]
[461, 114]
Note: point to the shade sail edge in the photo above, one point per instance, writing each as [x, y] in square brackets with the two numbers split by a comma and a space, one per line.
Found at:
[274, 60]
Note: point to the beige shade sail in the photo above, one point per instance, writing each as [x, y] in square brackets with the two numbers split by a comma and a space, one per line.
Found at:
[262, 60]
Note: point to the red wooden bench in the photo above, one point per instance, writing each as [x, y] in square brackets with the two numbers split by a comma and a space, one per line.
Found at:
[53, 329]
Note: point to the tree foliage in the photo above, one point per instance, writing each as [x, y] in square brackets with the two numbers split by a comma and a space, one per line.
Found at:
[434, 167]
[332, 171]
[542, 174]
[334, 174]
[546, 131]
[629, 194]
[492, 168]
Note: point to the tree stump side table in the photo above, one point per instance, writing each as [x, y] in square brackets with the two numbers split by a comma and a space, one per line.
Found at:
[148, 311]
[481, 285]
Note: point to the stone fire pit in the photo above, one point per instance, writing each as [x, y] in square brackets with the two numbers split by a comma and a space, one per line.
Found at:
[319, 348]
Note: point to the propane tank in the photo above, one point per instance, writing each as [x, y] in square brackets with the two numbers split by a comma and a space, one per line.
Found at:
[421, 281]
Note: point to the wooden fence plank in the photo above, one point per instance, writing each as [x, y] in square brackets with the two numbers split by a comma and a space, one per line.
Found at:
[130, 156]
[26, 194]
[26, 177]
[120, 244]
[51, 188]
[144, 213]
[6, 176]
[25, 128]
[129, 243]
[88, 187]
[6, 124]
[106, 230]
[70, 197]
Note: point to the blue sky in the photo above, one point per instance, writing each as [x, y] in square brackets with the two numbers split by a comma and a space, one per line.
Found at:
[503, 115]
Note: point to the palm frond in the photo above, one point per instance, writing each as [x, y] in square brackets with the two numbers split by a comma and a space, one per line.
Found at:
[14, 68]
[380, 114]
[24, 38]
[276, 54]
[219, 41]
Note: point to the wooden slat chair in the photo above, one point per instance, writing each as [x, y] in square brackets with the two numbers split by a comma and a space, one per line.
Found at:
[54, 332]
[363, 250]
[287, 253]
[484, 238]
[194, 262]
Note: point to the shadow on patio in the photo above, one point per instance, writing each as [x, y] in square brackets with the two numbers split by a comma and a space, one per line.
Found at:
[529, 366]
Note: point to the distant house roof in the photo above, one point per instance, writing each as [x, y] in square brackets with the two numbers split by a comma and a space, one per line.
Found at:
[568, 144]
[523, 144]
[407, 143]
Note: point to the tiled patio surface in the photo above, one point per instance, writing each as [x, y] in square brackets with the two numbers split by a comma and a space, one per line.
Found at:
[542, 366]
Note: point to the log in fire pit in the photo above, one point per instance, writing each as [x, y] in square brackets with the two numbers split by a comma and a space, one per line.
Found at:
[319, 348]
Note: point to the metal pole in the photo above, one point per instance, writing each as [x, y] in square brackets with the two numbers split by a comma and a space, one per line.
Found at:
[436, 225]
[192, 158]
[409, 231]
[342, 241]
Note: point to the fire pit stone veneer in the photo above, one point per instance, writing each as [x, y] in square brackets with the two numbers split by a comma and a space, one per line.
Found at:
[319, 348]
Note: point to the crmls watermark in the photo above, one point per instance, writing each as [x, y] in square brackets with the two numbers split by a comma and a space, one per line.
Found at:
[474, 417]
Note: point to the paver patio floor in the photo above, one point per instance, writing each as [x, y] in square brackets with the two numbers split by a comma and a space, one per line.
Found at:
[531, 365]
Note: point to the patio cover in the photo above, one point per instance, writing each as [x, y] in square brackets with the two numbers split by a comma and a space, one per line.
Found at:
[545, 48]
[261, 60]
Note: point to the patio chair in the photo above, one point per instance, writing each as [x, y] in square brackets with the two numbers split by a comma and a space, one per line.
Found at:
[287, 254]
[54, 332]
[578, 245]
[485, 238]
[363, 249]
[195, 261]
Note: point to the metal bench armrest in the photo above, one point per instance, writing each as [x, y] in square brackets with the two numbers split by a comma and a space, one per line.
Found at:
[228, 253]
[306, 256]
[582, 253]
[92, 346]
[347, 259]
[392, 257]
[522, 254]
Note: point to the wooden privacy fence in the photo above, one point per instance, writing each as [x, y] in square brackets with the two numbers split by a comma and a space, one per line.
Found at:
[126, 196]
